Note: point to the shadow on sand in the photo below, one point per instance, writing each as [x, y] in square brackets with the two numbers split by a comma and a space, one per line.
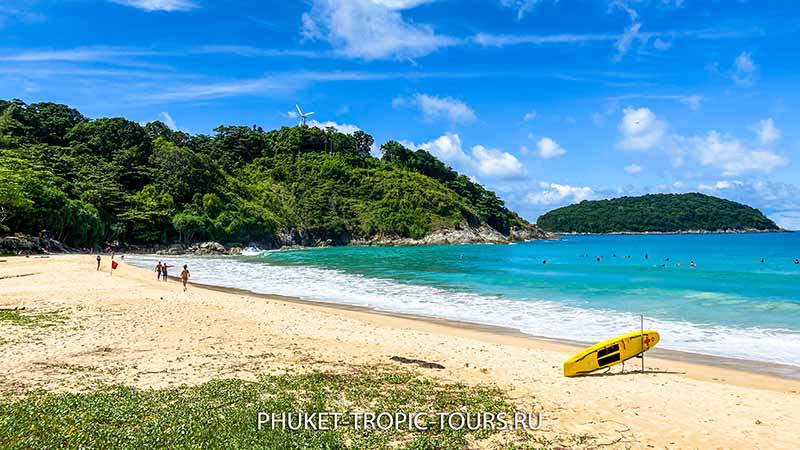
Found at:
[631, 373]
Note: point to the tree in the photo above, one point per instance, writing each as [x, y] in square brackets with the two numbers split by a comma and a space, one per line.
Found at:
[189, 225]
[105, 137]
[149, 215]
[52, 121]
[363, 143]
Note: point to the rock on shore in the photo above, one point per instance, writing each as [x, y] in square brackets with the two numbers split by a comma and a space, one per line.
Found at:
[33, 245]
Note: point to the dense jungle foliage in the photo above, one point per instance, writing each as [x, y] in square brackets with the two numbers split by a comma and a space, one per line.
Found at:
[655, 213]
[93, 180]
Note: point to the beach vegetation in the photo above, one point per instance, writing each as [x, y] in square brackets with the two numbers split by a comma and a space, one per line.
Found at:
[31, 319]
[224, 413]
[89, 181]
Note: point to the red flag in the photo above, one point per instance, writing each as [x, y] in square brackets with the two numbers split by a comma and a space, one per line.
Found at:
[114, 265]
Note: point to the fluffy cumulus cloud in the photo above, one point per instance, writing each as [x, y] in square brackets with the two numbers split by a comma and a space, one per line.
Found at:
[530, 115]
[158, 5]
[724, 154]
[434, 108]
[730, 155]
[641, 129]
[767, 131]
[548, 148]
[553, 194]
[744, 70]
[481, 161]
[371, 29]
[340, 127]
[495, 163]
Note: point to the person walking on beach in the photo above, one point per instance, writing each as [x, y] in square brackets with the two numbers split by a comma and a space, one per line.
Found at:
[185, 276]
[164, 276]
[158, 271]
[98, 262]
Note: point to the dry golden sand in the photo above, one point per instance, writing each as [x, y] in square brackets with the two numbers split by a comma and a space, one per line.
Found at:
[129, 328]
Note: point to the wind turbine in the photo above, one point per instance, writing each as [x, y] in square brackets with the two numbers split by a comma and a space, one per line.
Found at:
[303, 116]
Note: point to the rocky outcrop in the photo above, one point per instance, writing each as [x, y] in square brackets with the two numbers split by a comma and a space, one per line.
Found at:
[202, 249]
[531, 233]
[483, 234]
[13, 245]
[291, 239]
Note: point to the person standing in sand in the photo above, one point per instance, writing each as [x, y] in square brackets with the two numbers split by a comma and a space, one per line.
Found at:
[164, 276]
[185, 276]
[98, 262]
[158, 271]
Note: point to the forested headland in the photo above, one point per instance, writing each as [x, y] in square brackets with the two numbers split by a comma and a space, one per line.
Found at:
[666, 213]
[89, 181]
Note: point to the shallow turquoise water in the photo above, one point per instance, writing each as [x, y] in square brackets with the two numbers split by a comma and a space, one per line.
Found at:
[729, 286]
[731, 304]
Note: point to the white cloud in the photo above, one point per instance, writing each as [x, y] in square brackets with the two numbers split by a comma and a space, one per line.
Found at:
[79, 54]
[624, 42]
[496, 163]
[168, 121]
[624, 6]
[340, 127]
[522, 7]
[548, 148]
[744, 70]
[482, 161]
[401, 4]
[788, 220]
[692, 101]
[530, 115]
[641, 129]
[502, 40]
[661, 44]
[291, 114]
[730, 155]
[158, 5]
[434, 107]
[371, 29]
[558, 194]
[447, 148]
[767, 131]
[633, 169]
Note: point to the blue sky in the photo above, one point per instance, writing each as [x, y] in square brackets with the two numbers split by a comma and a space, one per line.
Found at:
[547, 102]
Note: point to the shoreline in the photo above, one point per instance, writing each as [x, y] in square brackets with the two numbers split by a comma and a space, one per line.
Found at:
[783, 371]
[669, 233]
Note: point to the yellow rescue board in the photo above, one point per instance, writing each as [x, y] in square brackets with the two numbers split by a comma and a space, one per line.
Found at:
[608, 353]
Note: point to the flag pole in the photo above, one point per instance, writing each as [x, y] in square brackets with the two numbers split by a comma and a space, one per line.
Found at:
[641, 337]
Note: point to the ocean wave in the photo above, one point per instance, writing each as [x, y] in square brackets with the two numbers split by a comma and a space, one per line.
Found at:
[538, 317]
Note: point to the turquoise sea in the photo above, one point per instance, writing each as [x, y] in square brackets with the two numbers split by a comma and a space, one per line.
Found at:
[731, 304]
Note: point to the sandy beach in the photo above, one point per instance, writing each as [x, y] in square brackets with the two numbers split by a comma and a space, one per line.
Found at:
[131, 329]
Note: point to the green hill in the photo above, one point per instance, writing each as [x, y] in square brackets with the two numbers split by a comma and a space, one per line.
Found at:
[88, 181]
[656, 213]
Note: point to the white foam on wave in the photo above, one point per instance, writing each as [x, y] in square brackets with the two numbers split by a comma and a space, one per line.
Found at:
[535, 317]
[253, 251]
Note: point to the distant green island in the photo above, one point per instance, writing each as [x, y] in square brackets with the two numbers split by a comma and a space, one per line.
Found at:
[657, 213]
[90, 181]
